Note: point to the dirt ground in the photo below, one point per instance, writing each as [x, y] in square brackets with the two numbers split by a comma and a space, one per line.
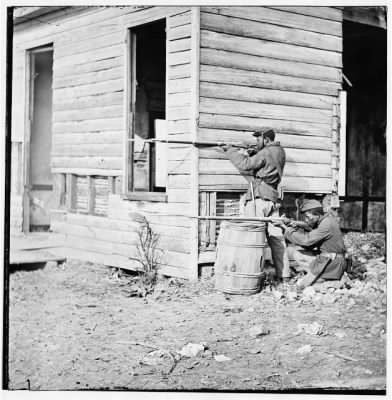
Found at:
[74, 326]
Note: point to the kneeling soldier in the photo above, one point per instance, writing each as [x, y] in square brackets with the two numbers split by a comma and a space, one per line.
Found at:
[323, 245]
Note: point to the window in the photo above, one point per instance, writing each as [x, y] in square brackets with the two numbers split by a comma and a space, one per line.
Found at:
[146, 161]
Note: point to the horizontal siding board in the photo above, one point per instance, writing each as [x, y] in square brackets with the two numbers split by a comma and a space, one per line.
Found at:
[272, 111]
[266, 96]
[300, 169]
[178, 113]
[290, 184]
[280, 17]
[70, 79]
[110, 86]
[265, 48]
[81, 162]
[111, 137]
[178, 127]
[97, 65]
[99, 125]
[260, 30]
[182, 57]
[331, 13]
[267, 80]
[179, 71]
[178, 99]
[230, 59]
[85, 102]
[286, 140]
[89, 150]
[179, 19]
[178, 85]
[221, 121]
[115, 111]
[89, 43]
[179, 32]
[179, 45]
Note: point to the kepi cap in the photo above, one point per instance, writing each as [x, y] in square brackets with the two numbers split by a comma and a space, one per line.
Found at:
[310, 205]
[262, 132]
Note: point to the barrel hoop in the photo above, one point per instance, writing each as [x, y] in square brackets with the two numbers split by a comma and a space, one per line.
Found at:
[257, 246]
[238, 291]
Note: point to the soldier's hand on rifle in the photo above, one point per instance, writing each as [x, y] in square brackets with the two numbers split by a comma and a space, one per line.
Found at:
[251, 151]
[225, 146]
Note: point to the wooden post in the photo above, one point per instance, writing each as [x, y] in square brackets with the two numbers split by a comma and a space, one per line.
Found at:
[90, 195]
[212, 227]
[194, 118]
[70, 194]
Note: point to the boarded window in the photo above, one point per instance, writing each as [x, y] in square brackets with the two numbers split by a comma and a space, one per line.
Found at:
[81, 198]
[101, 185]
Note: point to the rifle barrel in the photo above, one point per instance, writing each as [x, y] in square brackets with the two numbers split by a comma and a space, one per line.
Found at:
[195, 143]
[238, 218]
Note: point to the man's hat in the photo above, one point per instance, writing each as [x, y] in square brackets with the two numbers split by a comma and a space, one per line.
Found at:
[310, 205]
[263, 132]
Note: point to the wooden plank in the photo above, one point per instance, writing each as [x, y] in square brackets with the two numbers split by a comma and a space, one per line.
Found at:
[70, 191]
[266, 96]
[177, 127]
[300, 169]
[179, 71]
[87, 162]
[267, 80]
[178, 85]
[178, 113]
[179, 32]
[181, 57]
[286, 140]
[99, 125]
[179, 19]
[179, 195]
[86, 102]
[179, 167]
[237, 60]
[282, 18]
[88, 113]
[87, 57]
[96, 66]
[218, 121]
[111, 86]
[329, 13]
[260, 30]
[63, 81]
[179, 154]
[91, 194]
[87, 171]
[272, 111]
[108, 137]
[265, 48]
[178, 99]
[374, 16]
[90, 43]
[179, 45]
[290, 184]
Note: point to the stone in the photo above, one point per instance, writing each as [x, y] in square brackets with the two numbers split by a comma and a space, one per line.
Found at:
[278, 295]
[191, 350]
[311, 329]
[306, 349]
[340, 334]
[377, 329]
[291, 296]
[308, 292]
[257, 331]
[221, 358]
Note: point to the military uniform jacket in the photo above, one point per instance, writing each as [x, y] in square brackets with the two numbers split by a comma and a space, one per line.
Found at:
[327, 238]
[267, 166]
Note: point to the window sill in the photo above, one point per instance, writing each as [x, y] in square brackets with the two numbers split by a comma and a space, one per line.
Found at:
[145, 196]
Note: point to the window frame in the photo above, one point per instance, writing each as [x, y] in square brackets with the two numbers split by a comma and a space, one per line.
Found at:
[129, 109]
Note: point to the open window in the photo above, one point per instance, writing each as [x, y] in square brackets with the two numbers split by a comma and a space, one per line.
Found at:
[146, 170]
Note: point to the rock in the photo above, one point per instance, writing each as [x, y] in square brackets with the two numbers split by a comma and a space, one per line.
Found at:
[308, 292]
[329, 299]
[377, 329]
[221, 358]
[318, 298]
[251, 309]
[191, 350]
[207, 353]
[306, 349]
[351, 303]
[291, 296]
[311, 329]
[278, 295]
[257, 331]
[340, 334]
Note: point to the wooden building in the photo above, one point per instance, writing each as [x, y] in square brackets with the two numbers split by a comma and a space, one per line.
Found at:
[88, 79]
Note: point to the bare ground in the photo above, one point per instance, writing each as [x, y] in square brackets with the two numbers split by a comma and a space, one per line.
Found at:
[74, 327]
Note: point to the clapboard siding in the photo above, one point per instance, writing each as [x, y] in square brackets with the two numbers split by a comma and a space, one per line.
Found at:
[282, 18]
[262, 66]
[244, 27]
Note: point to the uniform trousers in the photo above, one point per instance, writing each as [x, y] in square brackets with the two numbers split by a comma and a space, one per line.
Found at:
[275, 239]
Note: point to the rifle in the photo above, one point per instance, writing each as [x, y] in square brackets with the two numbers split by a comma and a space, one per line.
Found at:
[197, 143]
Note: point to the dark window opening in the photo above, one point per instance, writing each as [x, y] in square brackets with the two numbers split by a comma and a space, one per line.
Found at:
[147, 161]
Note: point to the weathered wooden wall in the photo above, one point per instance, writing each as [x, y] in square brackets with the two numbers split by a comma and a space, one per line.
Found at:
[270, 66]
[89, 80]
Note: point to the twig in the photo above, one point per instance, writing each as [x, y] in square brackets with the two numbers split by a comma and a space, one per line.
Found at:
[348, 358]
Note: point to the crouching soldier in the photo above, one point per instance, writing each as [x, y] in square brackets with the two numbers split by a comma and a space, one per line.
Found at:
[323, 250]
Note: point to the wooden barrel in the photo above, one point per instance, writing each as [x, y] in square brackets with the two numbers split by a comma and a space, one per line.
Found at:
[240, 257]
